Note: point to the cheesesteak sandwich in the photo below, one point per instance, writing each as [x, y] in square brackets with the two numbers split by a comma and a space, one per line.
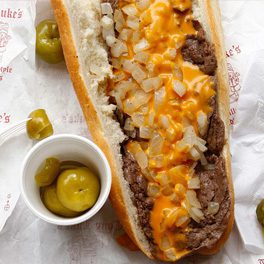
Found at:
[151, 78]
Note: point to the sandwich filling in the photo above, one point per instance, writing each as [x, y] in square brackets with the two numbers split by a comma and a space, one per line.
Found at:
[165, 89]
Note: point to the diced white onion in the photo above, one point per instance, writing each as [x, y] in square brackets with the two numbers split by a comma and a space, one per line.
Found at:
[192, 167]
[171, 218]
[151, 83]
[147, 174]
[108, 32]
[170, 254]
[116, 63]
[119, 17]
[136, 36]
[202, 122]
[182, 220]
[153, 189]
[133, 22]
[141, 97]
[158, 161]
[139, 74]
[110, 41]
[134, 147]
[119, 77]
[192, 199]
[202, 141]
[119, 27]
[178, 72]
[125, 34]
[125, 86]
[142, 57]
[118, 99]
[194, 183]
[175, 198]
[145, 132]
[195, 155]
[196, 214]
[195, 145]
[170, 134]
[132, 104]
[159, 97]
[106, 9]
[107, 22]
[138, 119]
[156, 144]
[129, 106]
[201, 147]
[130, 10]
[141, 45]
[172, 53]
[179, 88]
[141, 159]
[128, 65]
[189, 135]
[213, 208]
[119, 20]
[144, 109]
[118, 48]
[183, 144]
[150, 67]
[202, 158]
[180, 190]
[164, 121]
[128, 125]
[145, 18]
[139, 155]
[162, 178]
[151, 118]
[142, 4]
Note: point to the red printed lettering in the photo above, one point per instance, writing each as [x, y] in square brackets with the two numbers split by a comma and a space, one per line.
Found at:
[234, 50]
[7, 204]
[4, 118]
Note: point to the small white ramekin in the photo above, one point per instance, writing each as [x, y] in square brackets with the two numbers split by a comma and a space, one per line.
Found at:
[63, 147]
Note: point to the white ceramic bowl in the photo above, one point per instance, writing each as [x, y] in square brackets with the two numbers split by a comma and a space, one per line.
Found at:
[64, 147]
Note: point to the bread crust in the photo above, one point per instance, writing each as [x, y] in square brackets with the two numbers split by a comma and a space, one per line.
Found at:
[210, 9]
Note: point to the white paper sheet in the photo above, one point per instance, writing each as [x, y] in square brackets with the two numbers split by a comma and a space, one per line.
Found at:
[26, 239]
[17, 63]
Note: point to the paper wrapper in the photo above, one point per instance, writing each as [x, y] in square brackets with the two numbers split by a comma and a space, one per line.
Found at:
[31, 85]
[17, 69]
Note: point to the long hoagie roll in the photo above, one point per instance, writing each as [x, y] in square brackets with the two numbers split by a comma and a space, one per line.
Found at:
[151, 78]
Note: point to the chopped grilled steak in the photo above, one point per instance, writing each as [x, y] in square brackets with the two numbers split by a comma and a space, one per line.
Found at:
[138, 185]
[199, 51]
[216, 134]
[214, 188]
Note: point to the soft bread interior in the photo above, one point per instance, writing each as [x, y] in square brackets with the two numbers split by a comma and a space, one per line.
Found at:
[95, 70]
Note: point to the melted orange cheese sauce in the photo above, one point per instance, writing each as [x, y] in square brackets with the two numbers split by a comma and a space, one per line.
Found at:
[165, 30]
